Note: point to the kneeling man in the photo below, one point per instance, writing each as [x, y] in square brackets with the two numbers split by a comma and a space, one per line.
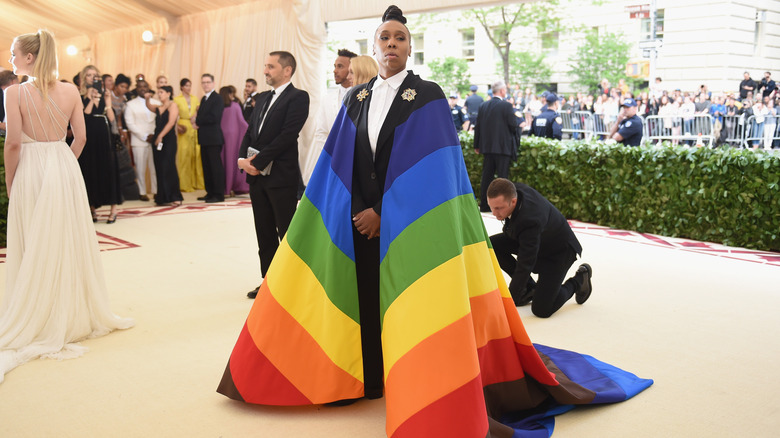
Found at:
[538, 234]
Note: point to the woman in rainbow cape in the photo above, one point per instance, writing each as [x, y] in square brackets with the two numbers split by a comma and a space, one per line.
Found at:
[441, 339]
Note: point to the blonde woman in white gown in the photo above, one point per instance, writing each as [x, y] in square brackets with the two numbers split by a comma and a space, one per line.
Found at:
[55, 291]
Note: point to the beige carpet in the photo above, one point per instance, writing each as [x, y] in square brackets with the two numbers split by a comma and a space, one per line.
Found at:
[700, 325]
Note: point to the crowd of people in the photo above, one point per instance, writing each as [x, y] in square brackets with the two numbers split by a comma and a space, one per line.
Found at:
[390, 136]
[731, 111]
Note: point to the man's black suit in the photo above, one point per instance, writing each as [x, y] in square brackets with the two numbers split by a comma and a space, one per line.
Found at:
[495, 136]
[274, 196]
[209, 120]
[247, 108]
[544, 243]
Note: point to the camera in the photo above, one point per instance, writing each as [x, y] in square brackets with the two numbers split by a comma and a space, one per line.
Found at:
[96, 84]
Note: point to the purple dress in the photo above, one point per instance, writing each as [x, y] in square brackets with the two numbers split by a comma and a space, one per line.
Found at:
[233, 129]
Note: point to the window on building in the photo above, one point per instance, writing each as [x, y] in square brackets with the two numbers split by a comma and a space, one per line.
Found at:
[549, 42]
[646, 33]
[418, 49]
[467, 43]
[758, 36]
[363, 47]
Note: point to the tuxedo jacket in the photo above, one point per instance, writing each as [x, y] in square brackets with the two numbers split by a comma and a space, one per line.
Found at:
[496, 128]
[370, 172]
[209, 120]
[247, 108]
[278, 141]
[541, 232]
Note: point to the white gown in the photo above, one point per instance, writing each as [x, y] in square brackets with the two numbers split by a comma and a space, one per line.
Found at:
[55, 290]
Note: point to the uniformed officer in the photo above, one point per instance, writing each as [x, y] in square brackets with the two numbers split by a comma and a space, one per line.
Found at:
[628, 129]
[473, 101]
[548, 123]
[459, 116]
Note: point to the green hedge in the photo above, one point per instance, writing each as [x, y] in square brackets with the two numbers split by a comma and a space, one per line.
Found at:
[724, 195]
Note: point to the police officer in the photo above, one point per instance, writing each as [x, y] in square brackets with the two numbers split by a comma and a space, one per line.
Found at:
[628, 129]
[459, 116]
[473, 101]
[548, 123]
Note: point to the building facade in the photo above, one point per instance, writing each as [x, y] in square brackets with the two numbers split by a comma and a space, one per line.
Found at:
[701, 42]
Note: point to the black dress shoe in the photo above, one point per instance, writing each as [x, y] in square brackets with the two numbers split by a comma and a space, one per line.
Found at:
[213, 200]
[584, 274]
[203, 198]
[345, 402]
[253, 293]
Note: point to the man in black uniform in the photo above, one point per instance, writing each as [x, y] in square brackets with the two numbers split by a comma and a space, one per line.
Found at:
[748, 85]
[628, 129]
[538, 234]
[548, 123]
[473, 101]
[459, 116]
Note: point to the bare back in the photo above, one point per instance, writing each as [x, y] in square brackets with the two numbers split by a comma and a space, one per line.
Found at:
[48, 120]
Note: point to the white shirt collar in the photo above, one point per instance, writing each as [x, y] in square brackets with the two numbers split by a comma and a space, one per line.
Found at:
[209, 94]
[394, 81]
[281, 88]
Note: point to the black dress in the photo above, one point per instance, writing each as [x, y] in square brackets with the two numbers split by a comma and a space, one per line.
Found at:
[98, 161]
[165, 162]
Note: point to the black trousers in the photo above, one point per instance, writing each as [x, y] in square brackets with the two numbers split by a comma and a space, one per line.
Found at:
[213, 171]
[367, 266]
[493, 166]
[548, 292]
[273, 209]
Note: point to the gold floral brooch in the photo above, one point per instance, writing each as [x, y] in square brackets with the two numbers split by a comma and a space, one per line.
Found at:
[362, 95]
[409, 94]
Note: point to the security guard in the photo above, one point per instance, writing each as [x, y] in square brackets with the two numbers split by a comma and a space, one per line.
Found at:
[473, 101]
[628, 129]
[459, 116]
[548, 123]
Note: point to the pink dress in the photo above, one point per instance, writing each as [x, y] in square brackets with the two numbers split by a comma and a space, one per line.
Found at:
[233, 129]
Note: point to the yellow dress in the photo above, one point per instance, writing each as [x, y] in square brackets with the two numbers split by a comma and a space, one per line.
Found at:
[188, 154]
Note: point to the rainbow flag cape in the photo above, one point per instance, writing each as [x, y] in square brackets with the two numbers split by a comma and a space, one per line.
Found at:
[457, 359]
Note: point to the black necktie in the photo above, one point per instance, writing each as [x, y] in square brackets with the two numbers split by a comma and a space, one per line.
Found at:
[267, 103]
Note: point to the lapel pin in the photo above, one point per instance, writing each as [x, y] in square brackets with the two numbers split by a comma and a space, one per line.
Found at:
[409, 94]
[362, 95]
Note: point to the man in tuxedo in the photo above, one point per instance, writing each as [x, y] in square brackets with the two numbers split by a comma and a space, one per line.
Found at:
[538, 234]
[250, 94]
[269, 155]
[208, 123]
[496, 139]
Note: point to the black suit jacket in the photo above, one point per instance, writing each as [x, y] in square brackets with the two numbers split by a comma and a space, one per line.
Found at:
[541, 232]
[278, 141]
[247, 108]
[496, 128]
[369, 172]
[209, 120]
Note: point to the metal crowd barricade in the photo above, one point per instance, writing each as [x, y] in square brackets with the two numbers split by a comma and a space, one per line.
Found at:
[680, 130]
[599, 126]
[761, 132]
[733, 130]
[576, 124]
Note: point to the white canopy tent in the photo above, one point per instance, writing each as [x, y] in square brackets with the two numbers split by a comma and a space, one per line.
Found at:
[227, 38]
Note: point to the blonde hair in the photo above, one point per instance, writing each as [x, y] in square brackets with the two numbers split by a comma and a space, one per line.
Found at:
[42, 45]
[83, 75]
[363, 69]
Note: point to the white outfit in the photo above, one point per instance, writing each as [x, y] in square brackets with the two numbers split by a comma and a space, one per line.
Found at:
[140, 122]
[55, 290]
[325, 117]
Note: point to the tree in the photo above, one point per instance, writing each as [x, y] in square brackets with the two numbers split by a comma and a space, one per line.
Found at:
[451, 74]
[600, 57]
[527, 68]
[499, 21]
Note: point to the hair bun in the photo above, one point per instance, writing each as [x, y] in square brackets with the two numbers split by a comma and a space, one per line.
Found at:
[393, 12]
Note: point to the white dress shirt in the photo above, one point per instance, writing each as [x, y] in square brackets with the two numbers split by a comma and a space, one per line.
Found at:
[384, 91]
[277, 91]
